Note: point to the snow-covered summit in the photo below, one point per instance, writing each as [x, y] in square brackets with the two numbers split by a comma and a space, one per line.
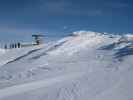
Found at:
[81, 40]
[83, 65]
[81, 33]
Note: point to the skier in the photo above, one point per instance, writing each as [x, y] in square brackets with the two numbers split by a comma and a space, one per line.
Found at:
[12, 45]
[19, 45]
[5, 46]
[15, 45]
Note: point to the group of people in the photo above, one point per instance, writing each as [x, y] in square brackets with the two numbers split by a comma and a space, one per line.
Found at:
[11, 46]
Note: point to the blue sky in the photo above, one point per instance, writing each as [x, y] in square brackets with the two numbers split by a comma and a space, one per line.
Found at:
[56, 18]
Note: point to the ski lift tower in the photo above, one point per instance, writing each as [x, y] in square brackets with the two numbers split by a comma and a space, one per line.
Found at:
[38, 38]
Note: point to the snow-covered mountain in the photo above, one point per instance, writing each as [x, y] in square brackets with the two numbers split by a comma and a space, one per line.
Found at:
[83, 66]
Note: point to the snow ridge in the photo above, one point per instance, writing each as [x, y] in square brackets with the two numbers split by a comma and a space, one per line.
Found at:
[83, 65]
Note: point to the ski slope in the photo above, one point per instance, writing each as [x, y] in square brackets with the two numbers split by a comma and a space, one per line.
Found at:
[85, 65]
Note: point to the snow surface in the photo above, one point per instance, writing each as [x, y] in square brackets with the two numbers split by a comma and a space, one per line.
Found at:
[83, 66]
[2, 51]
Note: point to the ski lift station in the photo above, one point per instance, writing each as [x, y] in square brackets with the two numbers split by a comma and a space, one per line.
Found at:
[38, 40]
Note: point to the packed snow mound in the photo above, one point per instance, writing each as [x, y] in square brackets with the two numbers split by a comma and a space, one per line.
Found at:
[83, 65]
